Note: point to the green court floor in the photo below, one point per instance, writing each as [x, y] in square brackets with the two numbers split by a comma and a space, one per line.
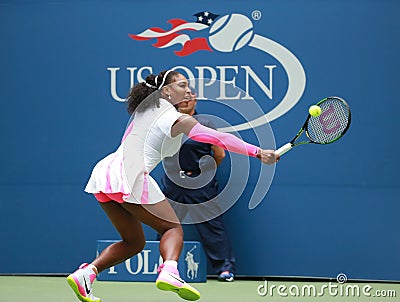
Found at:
[55, 289]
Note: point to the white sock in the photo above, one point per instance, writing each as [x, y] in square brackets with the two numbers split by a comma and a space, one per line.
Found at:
[172, 263]
[92, 268]
[95, 270]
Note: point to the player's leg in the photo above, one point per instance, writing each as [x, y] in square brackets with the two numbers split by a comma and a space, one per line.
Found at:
[133, 241]
[162, 218]
[131, 232]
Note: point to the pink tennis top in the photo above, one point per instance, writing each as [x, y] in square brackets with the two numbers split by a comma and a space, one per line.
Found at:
[146, 142]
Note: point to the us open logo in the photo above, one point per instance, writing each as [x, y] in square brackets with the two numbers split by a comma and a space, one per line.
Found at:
[227, 34]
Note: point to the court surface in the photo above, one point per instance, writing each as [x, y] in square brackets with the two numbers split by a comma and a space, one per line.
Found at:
[55, 289]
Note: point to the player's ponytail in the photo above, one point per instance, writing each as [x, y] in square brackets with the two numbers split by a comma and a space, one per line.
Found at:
[147, 94]
[143, 95]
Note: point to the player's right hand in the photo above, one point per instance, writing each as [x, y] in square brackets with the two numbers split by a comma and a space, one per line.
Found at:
[267, 156]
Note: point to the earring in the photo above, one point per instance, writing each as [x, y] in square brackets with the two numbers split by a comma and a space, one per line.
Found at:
[169, 96]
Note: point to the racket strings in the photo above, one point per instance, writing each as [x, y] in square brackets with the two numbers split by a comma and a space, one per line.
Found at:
[331, 124]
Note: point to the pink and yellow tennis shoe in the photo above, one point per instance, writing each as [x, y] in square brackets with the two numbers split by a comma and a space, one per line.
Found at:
[81, 283]
[169, 279]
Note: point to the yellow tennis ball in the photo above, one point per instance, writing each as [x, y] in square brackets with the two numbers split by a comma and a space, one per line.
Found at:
[315, 110]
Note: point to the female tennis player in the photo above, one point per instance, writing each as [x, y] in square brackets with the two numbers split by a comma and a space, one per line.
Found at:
[129, 195]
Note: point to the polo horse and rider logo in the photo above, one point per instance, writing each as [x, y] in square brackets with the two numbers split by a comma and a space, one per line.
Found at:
[192, 265]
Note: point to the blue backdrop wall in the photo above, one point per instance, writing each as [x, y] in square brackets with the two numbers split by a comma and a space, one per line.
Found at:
[66, 65]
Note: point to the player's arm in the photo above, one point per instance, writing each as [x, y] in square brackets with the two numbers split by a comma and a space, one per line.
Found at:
[189, 126]
[183, 125]
[218, 154]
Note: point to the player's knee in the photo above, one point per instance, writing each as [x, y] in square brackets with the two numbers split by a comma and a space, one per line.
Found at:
[135, 246]
[173, 228]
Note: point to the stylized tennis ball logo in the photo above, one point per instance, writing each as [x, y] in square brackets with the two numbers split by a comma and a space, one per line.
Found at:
[231, 32]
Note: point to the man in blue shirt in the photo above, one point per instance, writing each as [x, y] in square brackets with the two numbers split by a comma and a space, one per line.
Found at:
[182, 185]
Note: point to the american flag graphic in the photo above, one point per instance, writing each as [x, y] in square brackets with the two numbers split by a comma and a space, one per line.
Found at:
[179, 34]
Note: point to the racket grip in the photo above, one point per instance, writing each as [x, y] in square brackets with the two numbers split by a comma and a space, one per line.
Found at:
[282, 150]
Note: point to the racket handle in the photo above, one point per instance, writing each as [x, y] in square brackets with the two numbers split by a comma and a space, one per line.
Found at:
[282, 150]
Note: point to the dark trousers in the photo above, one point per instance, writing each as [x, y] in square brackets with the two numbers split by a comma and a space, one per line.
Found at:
[212, 232]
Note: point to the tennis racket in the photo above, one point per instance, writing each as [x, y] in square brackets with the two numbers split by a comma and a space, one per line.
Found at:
[328, 127]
